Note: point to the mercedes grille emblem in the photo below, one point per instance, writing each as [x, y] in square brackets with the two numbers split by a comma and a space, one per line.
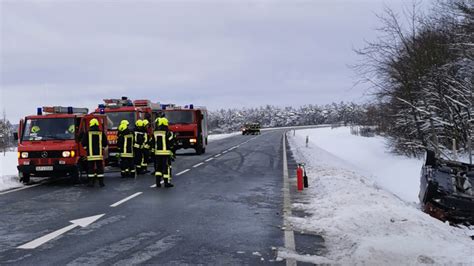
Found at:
[44, 154]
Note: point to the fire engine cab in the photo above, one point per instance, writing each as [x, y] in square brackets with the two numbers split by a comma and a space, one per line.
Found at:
[49, 144]
[117, 110]
[189, 124]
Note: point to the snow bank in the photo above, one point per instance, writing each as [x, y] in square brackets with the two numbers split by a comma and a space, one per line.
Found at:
[361, 222]
[397, 174]
[222, 136]
[8, 171]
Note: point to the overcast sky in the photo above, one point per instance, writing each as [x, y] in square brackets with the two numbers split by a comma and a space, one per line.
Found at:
[214, 53]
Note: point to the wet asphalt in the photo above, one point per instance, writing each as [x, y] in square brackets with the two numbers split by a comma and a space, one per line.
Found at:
[224, 211]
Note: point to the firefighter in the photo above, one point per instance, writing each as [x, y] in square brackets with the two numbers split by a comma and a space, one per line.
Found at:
[125, 147]
[140, 139]
[35, 129]
[71, 129]
[94, 142]
[146, 146]
[162, 147]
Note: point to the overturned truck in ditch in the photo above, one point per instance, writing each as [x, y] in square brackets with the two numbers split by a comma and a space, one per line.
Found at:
[446, 190]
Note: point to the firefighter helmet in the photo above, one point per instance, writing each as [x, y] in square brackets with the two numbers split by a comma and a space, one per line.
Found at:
[94, 122]
[122, 127]
[139, 123]
[35, 129]
[162, 121]
[71, 129]
[145, 122]
[124, 122]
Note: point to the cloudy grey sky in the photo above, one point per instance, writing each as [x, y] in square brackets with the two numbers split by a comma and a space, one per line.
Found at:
[213, 53]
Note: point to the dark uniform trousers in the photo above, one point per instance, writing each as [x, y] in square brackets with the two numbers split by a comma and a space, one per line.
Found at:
[140, 140]
[127, 166]
[162, 168]
[125, 145]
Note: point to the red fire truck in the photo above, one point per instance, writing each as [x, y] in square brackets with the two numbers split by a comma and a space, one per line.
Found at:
[189, 124]
[49, 144]
[117, 110]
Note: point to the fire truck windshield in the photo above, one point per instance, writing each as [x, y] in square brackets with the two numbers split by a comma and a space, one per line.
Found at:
[180, 117]
[114, 118]
[49, 129]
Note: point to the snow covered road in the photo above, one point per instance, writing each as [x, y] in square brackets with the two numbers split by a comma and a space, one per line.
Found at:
[364, 218]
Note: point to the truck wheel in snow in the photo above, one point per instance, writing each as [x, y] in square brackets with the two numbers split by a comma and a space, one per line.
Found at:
[24, 178]
[75, 177]
[199, 150]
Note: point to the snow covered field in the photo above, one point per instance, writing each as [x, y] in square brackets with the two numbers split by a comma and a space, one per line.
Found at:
[360, 200]
[8, 171]
[397, 174]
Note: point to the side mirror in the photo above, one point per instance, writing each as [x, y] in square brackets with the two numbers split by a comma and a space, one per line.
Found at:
[15, 136]
[202, 116]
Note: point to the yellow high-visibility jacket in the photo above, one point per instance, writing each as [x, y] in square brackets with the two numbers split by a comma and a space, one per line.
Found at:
[162, 142]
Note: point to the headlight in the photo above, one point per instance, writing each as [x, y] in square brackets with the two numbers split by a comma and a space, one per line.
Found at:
[192, 140]
[24, 155]
[66, 154]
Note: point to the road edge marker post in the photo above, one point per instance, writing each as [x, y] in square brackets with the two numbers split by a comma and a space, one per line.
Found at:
[305, 177]
[299, 177]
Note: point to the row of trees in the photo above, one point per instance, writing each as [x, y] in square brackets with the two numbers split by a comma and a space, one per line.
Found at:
[422, 75]
[227, 120]
[6, 130]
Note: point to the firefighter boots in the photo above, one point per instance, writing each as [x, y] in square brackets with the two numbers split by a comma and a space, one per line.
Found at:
[168, 184]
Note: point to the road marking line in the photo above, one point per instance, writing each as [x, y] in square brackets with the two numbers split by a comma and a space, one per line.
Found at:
[210, 159]
[217, 155]
[21, 188]
[224, 152]
[197, 165]
[125, 199]
[233, 148]
[289, 234]
[182, 172]
[84, 222]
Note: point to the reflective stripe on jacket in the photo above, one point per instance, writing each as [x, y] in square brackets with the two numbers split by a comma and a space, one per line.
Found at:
[94, 148]
[127, 146]
[140, 139]
[162, 142]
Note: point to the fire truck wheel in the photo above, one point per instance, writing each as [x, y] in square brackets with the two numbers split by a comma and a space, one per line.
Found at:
[75, 177]
[25, 178]
[199, 150]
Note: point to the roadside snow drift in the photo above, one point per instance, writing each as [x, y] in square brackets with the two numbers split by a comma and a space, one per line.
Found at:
[8, 171]
[361, 222]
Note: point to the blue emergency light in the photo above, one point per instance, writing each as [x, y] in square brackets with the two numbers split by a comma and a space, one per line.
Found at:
[102, 108]
[69, 110]
[191, 106]
[39, 111]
